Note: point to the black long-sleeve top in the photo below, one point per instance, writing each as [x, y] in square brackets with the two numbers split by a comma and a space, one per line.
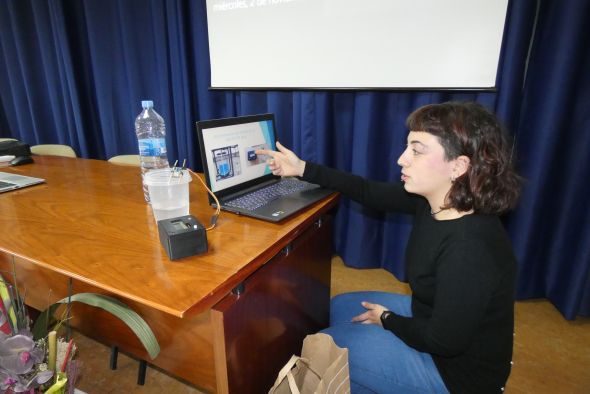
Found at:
[462, 273]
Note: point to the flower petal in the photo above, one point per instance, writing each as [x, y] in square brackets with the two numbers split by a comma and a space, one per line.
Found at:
[14, 365]
[44, 376]
[16, 344]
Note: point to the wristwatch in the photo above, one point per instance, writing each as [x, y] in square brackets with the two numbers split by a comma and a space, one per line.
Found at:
[384, 317]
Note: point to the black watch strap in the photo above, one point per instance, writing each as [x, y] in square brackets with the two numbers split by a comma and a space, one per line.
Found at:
[384, 317]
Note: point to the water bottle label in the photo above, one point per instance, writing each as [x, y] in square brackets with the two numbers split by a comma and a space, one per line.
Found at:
[152, 147]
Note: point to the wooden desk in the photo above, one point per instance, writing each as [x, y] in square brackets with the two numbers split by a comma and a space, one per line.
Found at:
[88, 228]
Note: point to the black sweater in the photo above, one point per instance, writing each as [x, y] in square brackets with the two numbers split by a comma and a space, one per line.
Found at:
[462, 273]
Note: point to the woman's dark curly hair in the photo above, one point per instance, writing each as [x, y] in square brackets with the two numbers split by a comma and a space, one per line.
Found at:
[490, 185]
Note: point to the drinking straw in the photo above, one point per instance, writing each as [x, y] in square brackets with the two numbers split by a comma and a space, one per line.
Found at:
[172, 172]
[182, 170]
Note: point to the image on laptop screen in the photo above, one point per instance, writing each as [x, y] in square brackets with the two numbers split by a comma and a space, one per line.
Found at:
[230, 152]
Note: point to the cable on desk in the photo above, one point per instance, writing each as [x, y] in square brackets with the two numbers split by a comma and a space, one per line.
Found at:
[213, 221]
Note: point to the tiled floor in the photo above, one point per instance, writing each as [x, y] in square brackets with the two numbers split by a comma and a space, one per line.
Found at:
[551, 355]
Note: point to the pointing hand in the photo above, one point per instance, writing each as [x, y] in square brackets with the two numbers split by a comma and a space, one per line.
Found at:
[283, 162]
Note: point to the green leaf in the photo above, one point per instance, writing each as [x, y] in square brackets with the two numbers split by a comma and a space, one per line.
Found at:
[117, 308]
[43, 322]
[59, 386]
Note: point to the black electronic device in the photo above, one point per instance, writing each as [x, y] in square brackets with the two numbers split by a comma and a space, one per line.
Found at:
[182, 236]
[20, 160]
[14, 148]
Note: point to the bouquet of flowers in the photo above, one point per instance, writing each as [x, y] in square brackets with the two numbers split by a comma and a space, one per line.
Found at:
[28, 364]
[35, 360]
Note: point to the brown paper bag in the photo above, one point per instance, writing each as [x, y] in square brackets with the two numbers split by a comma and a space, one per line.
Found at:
[321, 369]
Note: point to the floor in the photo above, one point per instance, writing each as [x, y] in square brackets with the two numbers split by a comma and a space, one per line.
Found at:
[551, 354]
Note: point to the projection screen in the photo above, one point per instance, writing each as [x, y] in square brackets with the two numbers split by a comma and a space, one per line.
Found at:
[355, 44]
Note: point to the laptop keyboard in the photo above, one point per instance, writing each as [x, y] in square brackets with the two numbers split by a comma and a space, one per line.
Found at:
[254, 200]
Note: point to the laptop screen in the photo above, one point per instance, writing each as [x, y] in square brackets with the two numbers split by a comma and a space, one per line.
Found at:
[228, 150]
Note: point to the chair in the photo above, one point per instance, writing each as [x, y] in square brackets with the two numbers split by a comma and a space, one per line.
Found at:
[53, 150]
[126, 160]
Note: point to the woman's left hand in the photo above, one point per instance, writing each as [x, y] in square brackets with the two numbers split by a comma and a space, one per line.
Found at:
[372, 315]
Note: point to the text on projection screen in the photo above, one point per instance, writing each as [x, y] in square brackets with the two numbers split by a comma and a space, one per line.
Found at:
[355, 43]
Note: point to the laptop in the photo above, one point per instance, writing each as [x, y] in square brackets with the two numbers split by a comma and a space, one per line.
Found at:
[10, 181]
[241, 179]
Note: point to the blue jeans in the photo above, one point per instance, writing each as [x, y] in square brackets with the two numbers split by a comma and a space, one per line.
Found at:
[379, 361]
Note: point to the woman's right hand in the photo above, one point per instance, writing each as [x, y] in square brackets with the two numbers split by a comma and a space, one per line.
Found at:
[283, 162]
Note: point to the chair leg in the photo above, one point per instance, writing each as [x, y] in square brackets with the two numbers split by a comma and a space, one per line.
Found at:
[142, 365]
[114, 355]
[141, 373]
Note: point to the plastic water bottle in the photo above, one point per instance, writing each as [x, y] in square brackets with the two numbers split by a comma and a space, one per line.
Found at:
[151, 135]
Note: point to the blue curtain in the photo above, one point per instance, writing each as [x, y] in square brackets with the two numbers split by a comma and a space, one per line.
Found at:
[74, 72]
[551, 227]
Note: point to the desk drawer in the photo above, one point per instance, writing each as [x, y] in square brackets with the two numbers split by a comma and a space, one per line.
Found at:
[282, 302]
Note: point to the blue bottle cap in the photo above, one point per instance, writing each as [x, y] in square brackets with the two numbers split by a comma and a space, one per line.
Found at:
[147, 104]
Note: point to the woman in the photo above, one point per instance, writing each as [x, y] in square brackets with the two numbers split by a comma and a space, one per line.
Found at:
[454, 334]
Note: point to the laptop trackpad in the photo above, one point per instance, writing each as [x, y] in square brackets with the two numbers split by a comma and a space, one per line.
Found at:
[281, 207]
[287, 205]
